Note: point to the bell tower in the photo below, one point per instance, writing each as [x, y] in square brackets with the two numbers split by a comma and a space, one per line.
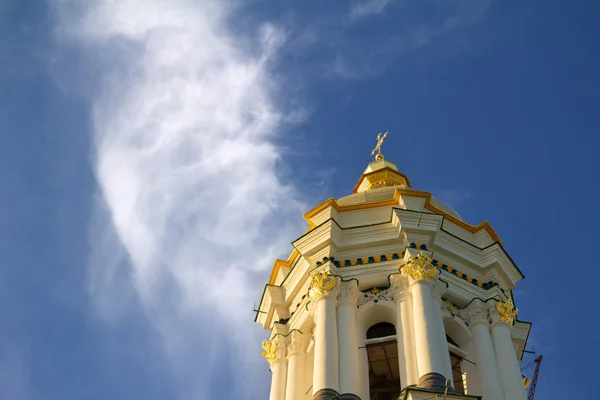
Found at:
[390, 295]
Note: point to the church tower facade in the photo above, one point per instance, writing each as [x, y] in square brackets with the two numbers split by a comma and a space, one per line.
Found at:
[391, 295]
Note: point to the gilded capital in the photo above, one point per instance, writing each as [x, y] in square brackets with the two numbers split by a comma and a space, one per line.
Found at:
[420, 268]
[507, 311]
[321, 285]
[272, 350]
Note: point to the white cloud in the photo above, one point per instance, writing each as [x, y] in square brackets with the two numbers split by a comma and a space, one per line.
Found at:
[366, 8]
[185, 114]
[454, 197]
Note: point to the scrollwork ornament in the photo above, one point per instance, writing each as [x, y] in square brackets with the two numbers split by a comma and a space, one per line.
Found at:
[507, 311]
[448, 306]
[375, 295]
[321, 285]
[420, 268]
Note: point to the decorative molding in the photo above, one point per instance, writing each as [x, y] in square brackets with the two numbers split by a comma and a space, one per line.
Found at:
[393, 202]
[448, 306]
[375, 295]
[420, 268]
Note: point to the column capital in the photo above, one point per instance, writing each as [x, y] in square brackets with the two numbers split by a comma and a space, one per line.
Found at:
[400, 286]
[504, 312]
[323, 284]
[419, 268]
[296, 343]
[274, 350]
[477, 312]
[438, 288]
[348, 292]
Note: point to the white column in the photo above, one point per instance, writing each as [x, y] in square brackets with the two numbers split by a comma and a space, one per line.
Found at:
[431, 355]
[430, 339]
[510, 371]
[274, 352]
[325, 370]
[485, 356]
[469, 369]
[407, 359]
[349, 368]
[438, 289]
[295, 371]
[364, 368]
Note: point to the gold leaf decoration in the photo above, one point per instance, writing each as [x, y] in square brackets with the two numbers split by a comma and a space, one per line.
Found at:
[269, 350]
[321, 285]
[507, 311]
[420, 268]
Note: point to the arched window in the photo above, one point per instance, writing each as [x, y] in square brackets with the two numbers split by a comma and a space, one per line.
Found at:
[381, 329]
[384, 374]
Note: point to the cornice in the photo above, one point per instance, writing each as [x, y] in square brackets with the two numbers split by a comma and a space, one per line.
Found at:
[384, 203]
[394, 201]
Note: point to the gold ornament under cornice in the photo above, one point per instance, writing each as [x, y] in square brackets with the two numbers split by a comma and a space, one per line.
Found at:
[526, 382]
[377, 148]
[269, 350]
[321, 285]
[381, 177]
[507, 311]
[420, 268]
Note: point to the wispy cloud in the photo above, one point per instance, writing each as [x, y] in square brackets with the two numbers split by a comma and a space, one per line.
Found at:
[419, 25]
[365, 8]
[191, 209]
[454, 197]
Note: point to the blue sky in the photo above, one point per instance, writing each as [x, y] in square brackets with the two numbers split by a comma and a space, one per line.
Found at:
[155, 159]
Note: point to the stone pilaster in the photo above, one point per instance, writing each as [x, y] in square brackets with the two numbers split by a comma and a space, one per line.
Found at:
[349, 367]
[407, 359]
[477, 315]
[295, 373]
[323, 295]
[502, 316]
[274, 353]
[433, 360]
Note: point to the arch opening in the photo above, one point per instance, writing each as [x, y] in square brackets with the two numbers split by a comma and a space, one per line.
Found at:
[384, 373]
[456, 364]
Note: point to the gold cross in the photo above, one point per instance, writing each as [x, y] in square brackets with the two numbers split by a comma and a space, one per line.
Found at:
[377, 148]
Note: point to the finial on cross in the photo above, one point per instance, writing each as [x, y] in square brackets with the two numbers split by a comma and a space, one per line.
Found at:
[377, 148]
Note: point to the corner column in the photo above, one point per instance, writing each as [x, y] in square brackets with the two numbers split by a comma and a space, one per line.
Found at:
[349, 367]
[274, 353]
[323, 292]
[407, 359]
[485, 356]
[295, 371]
[433, 360]
[503, 316]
